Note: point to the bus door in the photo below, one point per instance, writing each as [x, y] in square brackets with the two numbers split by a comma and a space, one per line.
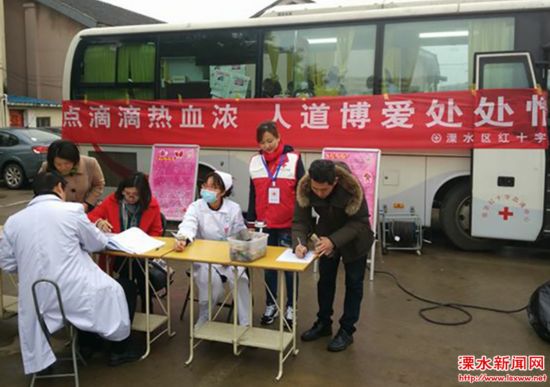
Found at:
[501, 175]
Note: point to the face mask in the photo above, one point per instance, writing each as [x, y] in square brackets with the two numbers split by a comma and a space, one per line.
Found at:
[208, 196]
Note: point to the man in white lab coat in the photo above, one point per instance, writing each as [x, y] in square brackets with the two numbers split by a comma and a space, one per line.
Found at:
[51, 239]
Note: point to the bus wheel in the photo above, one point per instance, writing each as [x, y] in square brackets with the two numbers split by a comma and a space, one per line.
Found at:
[455, 220]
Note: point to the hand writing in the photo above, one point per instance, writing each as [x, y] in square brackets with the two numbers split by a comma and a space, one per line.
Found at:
[180, 245]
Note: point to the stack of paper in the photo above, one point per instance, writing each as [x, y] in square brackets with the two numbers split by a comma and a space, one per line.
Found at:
[289, 256]
[133, 241]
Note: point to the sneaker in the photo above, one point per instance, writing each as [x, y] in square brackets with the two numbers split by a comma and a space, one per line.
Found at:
[289, 315]
[270, 314]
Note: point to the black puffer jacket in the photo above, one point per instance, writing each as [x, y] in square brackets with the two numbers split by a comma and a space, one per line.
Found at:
[343, 216]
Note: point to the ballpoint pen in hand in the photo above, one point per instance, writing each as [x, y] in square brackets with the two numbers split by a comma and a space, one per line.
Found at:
[303, 252]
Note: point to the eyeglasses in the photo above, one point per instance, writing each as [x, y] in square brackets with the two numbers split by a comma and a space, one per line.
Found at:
[131, 194]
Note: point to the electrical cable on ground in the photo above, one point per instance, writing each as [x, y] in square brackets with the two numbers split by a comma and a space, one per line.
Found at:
[450, 305]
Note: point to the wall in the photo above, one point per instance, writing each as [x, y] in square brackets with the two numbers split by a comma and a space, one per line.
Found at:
[32, 113]
[41, 78]
[55, 33]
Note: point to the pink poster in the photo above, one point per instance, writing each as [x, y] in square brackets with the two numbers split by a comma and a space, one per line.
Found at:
[364, 165]
[173, 177]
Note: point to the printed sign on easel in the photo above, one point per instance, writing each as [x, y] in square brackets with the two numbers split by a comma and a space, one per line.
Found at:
[173, 178]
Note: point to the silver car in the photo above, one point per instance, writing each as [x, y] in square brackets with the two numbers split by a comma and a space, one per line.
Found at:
[22, 151]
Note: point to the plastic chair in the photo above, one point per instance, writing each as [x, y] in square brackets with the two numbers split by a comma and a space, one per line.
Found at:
[72, 332]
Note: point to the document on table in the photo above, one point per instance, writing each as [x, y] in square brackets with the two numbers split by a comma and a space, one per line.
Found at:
[289, 256]
[133, 241]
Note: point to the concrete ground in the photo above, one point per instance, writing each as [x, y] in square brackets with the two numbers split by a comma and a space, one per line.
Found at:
[393, 345]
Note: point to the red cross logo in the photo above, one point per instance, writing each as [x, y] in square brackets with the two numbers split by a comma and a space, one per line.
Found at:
[505, 213]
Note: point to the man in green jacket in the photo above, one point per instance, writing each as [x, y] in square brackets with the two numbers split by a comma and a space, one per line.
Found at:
[344, 233]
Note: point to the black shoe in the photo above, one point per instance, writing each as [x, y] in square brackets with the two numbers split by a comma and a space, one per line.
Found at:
[318, 330]
[45, 371]
[340, 342]
[116, 359]
[86, 352]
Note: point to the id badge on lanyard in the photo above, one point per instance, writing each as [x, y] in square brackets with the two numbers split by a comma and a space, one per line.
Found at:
[273, 192]
[274, 195]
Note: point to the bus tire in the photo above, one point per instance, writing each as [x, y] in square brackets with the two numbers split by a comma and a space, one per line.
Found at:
[455, 220]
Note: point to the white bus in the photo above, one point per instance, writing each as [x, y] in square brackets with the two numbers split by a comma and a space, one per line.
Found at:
[409, 47]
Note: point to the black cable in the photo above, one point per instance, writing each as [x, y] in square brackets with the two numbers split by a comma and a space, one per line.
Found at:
[450, 305]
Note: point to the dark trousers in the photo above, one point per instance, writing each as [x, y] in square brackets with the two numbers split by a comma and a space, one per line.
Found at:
[92, 340]
[278, 237]
[326, 288]
[122, 267]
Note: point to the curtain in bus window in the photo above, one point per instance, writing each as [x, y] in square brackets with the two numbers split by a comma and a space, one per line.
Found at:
[344, 43]
[401, 47]
[489, 35]
[136, 63]
[105, 94]
[273, 53]
[438, 56]
[99, 64]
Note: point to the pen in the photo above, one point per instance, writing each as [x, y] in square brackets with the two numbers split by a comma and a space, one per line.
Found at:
[299, 241]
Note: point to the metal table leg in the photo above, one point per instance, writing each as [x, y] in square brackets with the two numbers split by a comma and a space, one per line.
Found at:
[236, 350]
[147, 311]
[191, 316]
[294, 311]
[281, 299]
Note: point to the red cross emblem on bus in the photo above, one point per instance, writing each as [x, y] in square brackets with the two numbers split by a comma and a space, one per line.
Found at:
[505, 213]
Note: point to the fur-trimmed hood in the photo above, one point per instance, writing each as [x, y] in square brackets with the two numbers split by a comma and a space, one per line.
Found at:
[305, 197]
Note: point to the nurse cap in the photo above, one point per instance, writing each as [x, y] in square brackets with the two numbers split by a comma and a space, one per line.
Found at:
[226, 178]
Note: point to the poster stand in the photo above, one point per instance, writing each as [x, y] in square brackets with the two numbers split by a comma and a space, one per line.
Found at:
[173, 177]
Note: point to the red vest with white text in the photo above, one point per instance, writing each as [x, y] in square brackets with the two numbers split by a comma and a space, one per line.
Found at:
[275, 215]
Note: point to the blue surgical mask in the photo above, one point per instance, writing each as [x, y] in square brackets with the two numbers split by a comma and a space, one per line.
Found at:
[208, 196]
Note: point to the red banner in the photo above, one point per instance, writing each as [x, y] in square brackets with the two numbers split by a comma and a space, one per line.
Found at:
[507, 118]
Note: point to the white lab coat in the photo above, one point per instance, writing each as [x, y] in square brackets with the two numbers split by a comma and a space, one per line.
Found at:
[201, 222]
[50, 239]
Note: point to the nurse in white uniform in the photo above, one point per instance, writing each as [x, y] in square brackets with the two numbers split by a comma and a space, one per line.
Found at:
[215, 217]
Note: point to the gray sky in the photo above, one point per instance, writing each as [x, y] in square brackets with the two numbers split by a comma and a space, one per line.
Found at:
[193, 10]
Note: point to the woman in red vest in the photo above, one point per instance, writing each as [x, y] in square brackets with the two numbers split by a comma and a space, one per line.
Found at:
[274, 174]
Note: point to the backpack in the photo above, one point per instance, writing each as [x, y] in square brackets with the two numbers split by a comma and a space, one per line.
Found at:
[538, 311]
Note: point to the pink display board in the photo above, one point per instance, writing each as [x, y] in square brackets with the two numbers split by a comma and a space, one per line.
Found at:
[173, 177]
[364, 163]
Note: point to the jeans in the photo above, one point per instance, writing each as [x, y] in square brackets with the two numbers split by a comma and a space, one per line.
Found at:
[326, 288]
[278, 237]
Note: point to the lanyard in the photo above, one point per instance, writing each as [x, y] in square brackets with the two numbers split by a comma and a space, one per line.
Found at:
[273, 177]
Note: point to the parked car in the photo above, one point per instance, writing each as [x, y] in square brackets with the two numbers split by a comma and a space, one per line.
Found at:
[22, 151]
[51, 129]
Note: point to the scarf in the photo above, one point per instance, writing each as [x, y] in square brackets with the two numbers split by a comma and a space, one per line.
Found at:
[274, 156]
[130, 215]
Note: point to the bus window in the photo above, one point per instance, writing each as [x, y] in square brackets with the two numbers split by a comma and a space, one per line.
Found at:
[438, 55]
[319, 61]
[511, 75]
[117, 71]
[208, 64]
